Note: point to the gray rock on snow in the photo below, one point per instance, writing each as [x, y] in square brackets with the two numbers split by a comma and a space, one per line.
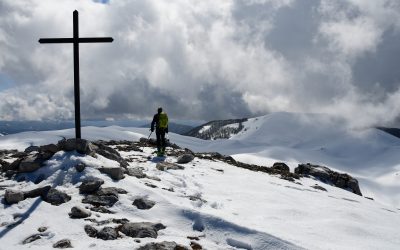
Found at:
[168, 165]
[91, 231]
[102, 200]
[80, 167]
[79, 213]
[13, 196]
[108, 233]
[141, 229]
[56, 197]
[90, 185]
[136, 172]
[115, 173]
[30, 164]
[164, 245]
[41, 191]
[185, 158]
[282, 167]
[32, 149]
[143, 203]
[111, 191]
[31, 238]
[64, 243]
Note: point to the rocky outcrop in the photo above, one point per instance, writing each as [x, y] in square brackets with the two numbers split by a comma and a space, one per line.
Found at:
[329, 176]
[280, 166]
[141, 229]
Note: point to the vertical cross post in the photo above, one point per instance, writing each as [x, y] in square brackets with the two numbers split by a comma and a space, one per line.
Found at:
[76, 76]
[75, 40]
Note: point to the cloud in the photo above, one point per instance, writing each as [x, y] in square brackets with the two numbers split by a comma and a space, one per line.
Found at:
[203, 59]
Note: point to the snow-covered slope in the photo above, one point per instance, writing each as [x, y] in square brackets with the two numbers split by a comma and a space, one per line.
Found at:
[219, 129]
[239, 209]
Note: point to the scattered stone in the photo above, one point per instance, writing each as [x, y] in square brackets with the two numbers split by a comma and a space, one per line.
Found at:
[64, 243]
[52, 148]
[90, 185]
[168, 165]
[42, 229]
[91, 231]
[13, 196]
[30, 163]
[316, 186]
[111, 191]
[143, 203]
[103, 200]
[79, 213]
[136, 172]
[281, 167]
[101, 209]
[150, 185]
[137, 241]
[80, 145]
[31, 149]
[154, 178]
[107, 233]
[171, 189]
[141, 229]
[328, 176]
[186, 158]
[370, 198]
[56, 197]
[31, 238]
[193, 238]
[110, 153]
[195, 246]
[80, 167]
[165, 245]
[114, 173]
[37, 192]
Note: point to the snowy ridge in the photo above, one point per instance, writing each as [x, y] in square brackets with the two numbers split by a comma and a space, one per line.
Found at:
[220, 129]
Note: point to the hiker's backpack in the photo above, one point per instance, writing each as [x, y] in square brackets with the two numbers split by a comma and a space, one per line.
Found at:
[162, 120]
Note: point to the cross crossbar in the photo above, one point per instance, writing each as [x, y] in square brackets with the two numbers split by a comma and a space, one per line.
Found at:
[79, 40]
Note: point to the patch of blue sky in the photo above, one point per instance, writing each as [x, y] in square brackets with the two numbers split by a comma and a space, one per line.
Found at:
[102, 1]
[5, 82]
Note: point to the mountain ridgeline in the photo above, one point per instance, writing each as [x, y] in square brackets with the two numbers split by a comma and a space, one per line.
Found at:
[219, 129]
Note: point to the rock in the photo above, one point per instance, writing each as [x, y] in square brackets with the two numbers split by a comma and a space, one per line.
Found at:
[108, 233]
[111, 191]
[140, 229]
[319, 188]
[91, 231]
[80, 167]
[13, 166]
[52, 148]
[64, 243]
[280, 166]
[31, 238]
[110, 153]
[101, 209]
[79, 213]
[143, 203]
[186, 158]
[67, 145]
[30, 163]
[195, 246]
[37, 192]
[90, 185]
[80, 145]
[103, 200]
[329, 176]
[114, 173]
[168, 165]
[164, 245]
[45, 155]
[13, 196]
[136, 172]
[56, 197]
[31, 149]
[42, 229]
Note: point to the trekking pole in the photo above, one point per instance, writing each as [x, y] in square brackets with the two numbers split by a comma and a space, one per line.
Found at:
[149, 135]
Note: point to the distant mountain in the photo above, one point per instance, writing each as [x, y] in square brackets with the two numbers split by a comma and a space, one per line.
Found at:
[393, 131]
[219, 129]
[174, 128]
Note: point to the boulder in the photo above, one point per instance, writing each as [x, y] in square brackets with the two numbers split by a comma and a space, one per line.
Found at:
[52, 148]
[168, 165]
[42, 229]
[110, 153]
[80, 167]
[13, 196]
[101, 209]
[102, 200]
[143, 203]
[56, 197]
[91, 231]
[281, 167]
[114, 173]
[141, 229]
[82, 146]
[108, 233]
[329, 176]
[90, 185]
[136, 172]
[111, 191]
[185, 158]
[64, 243]
[79, 213]
[31, 149]
[164, 245]
[31, 238]
[30, 163]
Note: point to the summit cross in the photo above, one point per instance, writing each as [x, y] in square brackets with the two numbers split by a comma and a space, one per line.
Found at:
[75, 41]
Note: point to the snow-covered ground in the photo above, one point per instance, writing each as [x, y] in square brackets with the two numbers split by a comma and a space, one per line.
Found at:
[238, 208]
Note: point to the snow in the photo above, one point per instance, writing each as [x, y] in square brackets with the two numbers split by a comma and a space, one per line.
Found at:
[204, 129]
[232, 125]
[238, 209]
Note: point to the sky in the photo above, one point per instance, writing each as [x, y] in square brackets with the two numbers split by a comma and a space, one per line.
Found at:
[203, 60]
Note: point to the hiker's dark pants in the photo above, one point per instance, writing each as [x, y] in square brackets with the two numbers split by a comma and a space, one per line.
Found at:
[161, 144]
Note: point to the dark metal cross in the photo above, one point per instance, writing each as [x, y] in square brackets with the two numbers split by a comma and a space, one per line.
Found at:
[76, 40]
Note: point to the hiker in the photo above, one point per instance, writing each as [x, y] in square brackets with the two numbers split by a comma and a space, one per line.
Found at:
[161, 121]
